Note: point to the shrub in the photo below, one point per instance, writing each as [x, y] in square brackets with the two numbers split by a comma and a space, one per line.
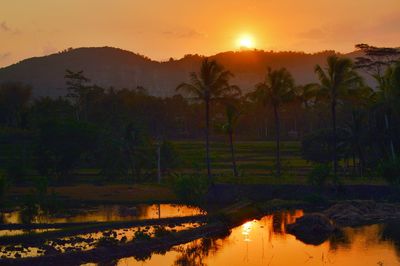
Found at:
[160, 231]
[190, 187]
[41, 185]
[3, 186]
[141, 236]
[319, 175]
[106, 241]
[390, 171]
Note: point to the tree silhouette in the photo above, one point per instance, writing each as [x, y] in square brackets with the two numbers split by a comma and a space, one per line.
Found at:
[78, 91]
[210, 84]
[274, 91]
[232, 113]
[335, 79]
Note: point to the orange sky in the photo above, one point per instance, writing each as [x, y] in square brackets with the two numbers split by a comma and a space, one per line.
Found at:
[171, 28]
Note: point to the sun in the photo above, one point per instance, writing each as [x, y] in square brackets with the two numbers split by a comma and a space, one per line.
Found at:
[245, 42]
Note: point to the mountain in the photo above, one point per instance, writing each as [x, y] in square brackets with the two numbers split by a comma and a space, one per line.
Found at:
[107, 66]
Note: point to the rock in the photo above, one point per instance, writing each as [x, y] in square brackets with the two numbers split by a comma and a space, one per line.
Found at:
[312, 228]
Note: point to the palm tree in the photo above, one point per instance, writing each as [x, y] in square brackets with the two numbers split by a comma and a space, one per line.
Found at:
[335, 79]
[212, 83]
[232, 117]
[274, 91]
[388, 98]
[306, 97]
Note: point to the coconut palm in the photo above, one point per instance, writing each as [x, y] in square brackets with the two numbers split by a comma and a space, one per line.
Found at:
[305, 98]
[388, 98]
[232, 116]
[335, 79]
[210, 84]
[274, 91]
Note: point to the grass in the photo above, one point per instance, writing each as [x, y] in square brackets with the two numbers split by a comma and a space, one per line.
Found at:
[256, 162]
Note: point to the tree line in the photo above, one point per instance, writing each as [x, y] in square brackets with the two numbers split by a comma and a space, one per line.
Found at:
[339, 119]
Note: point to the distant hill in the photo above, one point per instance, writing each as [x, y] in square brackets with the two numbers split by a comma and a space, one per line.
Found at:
[107, 67]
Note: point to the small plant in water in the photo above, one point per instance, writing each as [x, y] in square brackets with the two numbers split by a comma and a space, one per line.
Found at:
[107, 241]
[141, 236]
[161, 231]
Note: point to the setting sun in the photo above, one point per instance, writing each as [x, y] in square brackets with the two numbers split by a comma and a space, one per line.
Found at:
[246, 41]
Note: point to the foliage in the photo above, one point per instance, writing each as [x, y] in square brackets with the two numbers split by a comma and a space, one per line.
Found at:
[141, 235]
[3, 186]
[169, 156]
[317, 146]
[41, 186]
[211, 84]
[190, 187]
[160, 231]
[139, 150]
[107, 241]
[14, 99]
[319, 175]
[61, 145]
[390, 171]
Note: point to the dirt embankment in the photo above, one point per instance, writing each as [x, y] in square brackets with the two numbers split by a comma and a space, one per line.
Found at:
[223, 193]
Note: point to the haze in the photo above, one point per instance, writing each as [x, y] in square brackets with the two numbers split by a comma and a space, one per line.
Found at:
[163, 29]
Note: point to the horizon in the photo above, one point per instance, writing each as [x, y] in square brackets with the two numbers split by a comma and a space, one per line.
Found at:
[183, 56]
[162, 30]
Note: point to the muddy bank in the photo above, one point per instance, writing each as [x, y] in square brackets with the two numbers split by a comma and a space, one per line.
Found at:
[219, 225]
[223, 193]
[86, 228]
[315, 228]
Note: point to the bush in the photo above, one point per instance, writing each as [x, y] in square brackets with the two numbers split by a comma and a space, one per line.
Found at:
[160, 231]
[169, 156]
[319, 175]
[106, 241]
[390, 171]
[190, 187]
[142, 236]
[3, 186]
[41, 185]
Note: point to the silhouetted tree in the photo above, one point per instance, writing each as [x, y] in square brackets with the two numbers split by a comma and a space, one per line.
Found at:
[78, 91]
[14, 99]
[335, 79]
[232, 113]
[276, 90]
[210, 84]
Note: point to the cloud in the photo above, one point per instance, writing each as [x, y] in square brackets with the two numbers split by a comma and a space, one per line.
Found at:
[313, 34]
[184, 34]
[4, 27]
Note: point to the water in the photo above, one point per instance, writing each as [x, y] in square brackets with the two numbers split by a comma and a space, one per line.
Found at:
[265, 242]
[104, 213]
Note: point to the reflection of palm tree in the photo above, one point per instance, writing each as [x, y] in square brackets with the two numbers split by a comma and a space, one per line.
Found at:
[212, 83]
[194, 253]
[334, 80]
[274, 91]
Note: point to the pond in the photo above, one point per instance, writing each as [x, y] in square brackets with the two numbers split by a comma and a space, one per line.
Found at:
[265, 242]
[102, 213]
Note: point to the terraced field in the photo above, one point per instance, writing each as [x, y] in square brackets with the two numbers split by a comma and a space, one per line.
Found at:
[255, 160]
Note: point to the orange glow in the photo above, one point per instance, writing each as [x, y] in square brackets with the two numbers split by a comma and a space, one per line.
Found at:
[270, 245]
[246, 42]
[162, 29]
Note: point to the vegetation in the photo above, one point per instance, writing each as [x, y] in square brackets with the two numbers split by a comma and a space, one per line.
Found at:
[98, 135]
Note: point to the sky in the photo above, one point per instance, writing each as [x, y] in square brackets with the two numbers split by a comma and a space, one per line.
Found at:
[161, 29]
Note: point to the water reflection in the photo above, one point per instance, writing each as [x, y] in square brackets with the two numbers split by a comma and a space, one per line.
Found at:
[103, 213]
[265, 242]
